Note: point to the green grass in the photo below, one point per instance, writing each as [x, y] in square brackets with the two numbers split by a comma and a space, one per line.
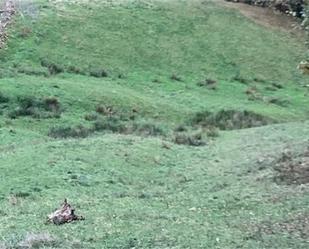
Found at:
[130, 188]
[146, 192]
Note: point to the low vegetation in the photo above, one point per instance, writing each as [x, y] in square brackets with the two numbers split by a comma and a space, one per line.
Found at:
[37, 108]
[293, 168]
[230, 119]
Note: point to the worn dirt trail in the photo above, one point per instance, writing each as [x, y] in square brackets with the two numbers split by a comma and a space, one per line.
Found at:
[266, 17]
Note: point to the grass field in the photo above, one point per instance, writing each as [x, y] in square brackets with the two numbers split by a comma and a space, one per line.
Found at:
[101, 102]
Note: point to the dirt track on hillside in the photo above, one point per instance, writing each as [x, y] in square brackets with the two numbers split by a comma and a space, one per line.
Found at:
[266, 17]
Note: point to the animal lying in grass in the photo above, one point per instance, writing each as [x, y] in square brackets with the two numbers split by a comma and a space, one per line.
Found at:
[65, 214]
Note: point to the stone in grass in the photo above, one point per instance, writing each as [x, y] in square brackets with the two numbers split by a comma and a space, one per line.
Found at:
[65, 214]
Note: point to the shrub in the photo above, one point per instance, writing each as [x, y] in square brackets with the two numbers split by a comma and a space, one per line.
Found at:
[192, 139]
[207, 82]
[78, 131]
[240, 79]
[181, 128]
[75, 70]
[98, 73]
[52, 67]
[27, 106]
[51, 104]
[212, 131]
[277, 85]
[21, 194]
[34, 71]
[37, 108]
[3, 98]
[104, 110]
[175, 77]
[229, 119]
[112, 123]
[147, 129]
[91, 116]
[278, 101]
[292, 168]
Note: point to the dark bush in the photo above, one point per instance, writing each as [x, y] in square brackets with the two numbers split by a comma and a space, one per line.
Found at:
[212, 131]
[292, 168]
[37, 108]
[241, 79]
[181, 128]
[278, 101]
[98, 73]
[277, 85]
[259, 80]
[3, 98]
[17, 112]
[52, 67]
[147, 129]
[229, 119]
[207, 82]
[91, 116]
[21, 194]
[104, 110]
[51, 104]
[70, 132]
[192, 139]
[27, 106]
[112, 123]
[75, 70]
[176, 77]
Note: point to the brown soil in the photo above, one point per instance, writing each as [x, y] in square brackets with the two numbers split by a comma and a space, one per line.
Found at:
[296, 226]
[266, 17]
[292, 169]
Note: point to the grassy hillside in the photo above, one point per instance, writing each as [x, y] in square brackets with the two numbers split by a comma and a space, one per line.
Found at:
[136, 83]
[137, 44]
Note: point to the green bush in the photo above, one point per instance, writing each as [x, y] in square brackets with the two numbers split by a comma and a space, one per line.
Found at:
[37, 108]
[146, 128]
[229, 119]
[3, 98]
[98, 73]
[91, 116]
[34, 71]
[112, 123]
[75, 70]
[192, 139]
[52, 67]
[212, 131]
[78, 131]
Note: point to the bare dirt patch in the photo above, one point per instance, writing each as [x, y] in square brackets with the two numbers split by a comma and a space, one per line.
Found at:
[266, 17]
[292, 168]
[296, 226]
